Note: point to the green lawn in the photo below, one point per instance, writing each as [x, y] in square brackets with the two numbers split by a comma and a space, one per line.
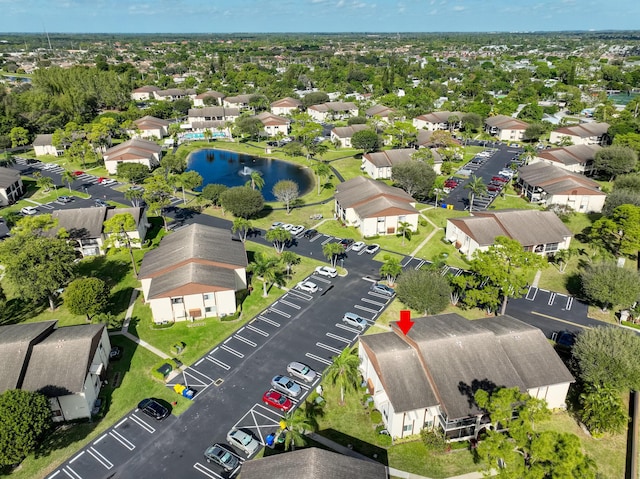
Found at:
[348, 167]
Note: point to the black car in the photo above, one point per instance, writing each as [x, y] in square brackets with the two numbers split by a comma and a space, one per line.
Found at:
[152, 408]
[346, 242]
[310, 233]
[115, 353]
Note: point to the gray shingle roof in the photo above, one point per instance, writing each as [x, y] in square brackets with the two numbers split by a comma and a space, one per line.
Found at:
[390, 157]
[15, 341]
[81, 222]
[505, 122]
[462, 356]
[43, 140]
[334, 106]
[585, 130]
[359, 189]
[348, 131]
[379, 110]
[544, 175]
[59, 364]
[136, 145]
[192, 276]
[440, 116]
[571, 155]
[8, 177]
[312, 463]
[529, 227]
[193, 243]
[398, 367]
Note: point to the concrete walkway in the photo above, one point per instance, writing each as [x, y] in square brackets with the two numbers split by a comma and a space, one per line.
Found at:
[391, 471]
[125, 329]
[429, 236]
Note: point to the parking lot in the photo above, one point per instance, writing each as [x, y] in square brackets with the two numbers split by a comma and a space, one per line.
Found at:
[230, 380]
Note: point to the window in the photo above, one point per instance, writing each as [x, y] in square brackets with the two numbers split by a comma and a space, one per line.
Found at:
[407, 428]
[176, 301]
[206, 296]
[428, 424]
[207, 309]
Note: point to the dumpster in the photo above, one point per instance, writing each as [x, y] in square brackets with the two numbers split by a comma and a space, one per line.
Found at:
[184, 391]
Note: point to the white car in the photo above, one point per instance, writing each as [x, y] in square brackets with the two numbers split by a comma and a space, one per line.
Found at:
[296, 230]
[352, 319]
[372, 248]
[301, 371]
[29, 210]
[308, 286]
[326, 271]
[286, 227]
[243, 441]
[358, 246]
[277, 224]
[108, 182]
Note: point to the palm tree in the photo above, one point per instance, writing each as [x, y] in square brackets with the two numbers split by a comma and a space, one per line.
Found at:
[404, 228]
[134, 196]
[207, 135]
[257, 181]
[391, 268]
[563, 256]
[242, 226]
[289, 258]
[331, 251]
[279, 237]
[43, 181]
[476, 187]
[344, 370]
[295, 425]
[267, 268]
[68, 178]
[322, 170]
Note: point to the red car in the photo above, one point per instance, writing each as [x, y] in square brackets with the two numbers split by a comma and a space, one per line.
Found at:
[500, 179]
[277, 400]
[494, 188]
[78, 173]
[101, 179]
[450, 184]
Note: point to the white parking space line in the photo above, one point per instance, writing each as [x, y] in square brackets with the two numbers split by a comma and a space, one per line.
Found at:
[54, 474]
[194, 379]
[99, 439]
[371, 301]
[67, 470]
[569, 303]
[206, 471]
[191, 370]
[314, 238]
[257, 330]
[78, 456]
[552, 298]
[328, 348]
[347, 328]
[319, 359]
[245, 340]
[224, 366]
[198, 362]
[299, 294]
[269, 321]
[329, 238]
[232, 351]
[361, 252]
[281, 313]
[420, 264]
[339, 338]
[295, 306]
[100, 458]
[317, 277]
[378, 295]
[142, 424]
[357, 306]
[122, 440]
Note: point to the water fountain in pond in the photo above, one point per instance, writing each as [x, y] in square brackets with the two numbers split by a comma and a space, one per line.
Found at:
[246, 171]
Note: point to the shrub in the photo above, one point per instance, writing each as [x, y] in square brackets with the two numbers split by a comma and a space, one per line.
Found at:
[376, 416]
[433, 440]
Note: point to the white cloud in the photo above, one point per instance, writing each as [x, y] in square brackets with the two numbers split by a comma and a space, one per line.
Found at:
[459, 8]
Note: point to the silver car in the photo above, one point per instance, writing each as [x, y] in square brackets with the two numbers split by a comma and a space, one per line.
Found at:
[243, 441]
[301, 371]
[352, 319]
[221, 456]
[286, 385]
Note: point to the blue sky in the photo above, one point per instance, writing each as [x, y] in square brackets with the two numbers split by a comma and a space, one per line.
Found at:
[233, 16]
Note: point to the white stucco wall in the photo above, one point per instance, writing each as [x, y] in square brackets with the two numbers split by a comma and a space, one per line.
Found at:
[112, 165]
[555, 395]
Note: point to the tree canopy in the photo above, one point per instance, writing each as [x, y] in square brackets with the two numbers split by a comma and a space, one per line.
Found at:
[609, 286]
[414, 177]
[425, 291]
[242, 201]
[87, 296]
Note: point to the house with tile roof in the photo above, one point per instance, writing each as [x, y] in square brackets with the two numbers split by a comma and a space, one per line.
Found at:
[286, 106]
[427, 378]
[66, 364]
[11, 187]
[439, 120]
[135, 150]
[374, 207]
[332, 110]
[378, 165]
[343, 134]
[194, 273]
[593, 133]
[505, 128]
[150, 127]
[313, 463]
[85, 227]
[274, 124]
[208, 97]
[384, 113]
[549, 185]
[539, 231]
[144, 93]
[241, 102]
[575, 158]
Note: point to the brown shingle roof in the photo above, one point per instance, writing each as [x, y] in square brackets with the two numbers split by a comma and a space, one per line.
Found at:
[555, 180]
[389, 157]
[334, 106]
[348, 131]
[286, 102]
[135, 146]
[570, 155]
[504, 122]
[584, 130]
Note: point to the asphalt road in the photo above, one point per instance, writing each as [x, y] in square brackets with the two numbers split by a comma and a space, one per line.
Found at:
[231, 378]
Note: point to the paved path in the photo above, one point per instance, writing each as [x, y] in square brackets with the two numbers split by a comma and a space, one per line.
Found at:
[428, 238]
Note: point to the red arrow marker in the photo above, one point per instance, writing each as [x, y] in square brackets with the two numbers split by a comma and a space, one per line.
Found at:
[405, 322]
